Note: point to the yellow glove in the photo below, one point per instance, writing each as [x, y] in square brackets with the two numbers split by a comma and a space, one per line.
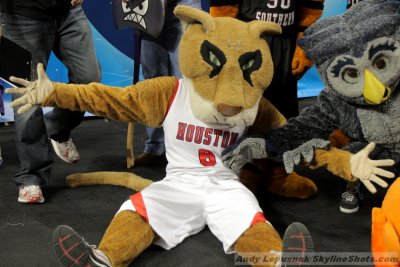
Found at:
[300, 62]
[366, 170]
[34, 93]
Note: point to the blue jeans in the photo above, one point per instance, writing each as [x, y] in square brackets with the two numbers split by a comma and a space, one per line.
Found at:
[70, 39]
[159, 57]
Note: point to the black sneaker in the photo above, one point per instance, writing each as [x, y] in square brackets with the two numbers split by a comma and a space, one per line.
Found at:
[72, 250]
[350, 202]
[298, 247]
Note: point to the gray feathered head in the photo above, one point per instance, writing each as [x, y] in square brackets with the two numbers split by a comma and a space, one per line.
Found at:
[356, 48]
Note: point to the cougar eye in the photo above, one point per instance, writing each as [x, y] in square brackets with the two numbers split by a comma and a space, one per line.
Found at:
[213, 56]
[250, 62]
[214, 59]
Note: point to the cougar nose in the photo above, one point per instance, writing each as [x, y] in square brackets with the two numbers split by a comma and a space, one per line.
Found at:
[228, 110]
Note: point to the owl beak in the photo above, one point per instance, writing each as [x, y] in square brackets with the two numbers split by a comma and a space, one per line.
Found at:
[375, 92]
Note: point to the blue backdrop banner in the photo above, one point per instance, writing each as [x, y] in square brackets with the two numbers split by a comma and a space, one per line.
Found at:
[115, 50]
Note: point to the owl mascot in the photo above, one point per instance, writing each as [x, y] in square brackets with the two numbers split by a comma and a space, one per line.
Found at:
[357, 55]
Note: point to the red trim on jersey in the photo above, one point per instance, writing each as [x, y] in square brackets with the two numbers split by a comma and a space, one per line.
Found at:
[137, 201]
[173, 96]
[259, 217]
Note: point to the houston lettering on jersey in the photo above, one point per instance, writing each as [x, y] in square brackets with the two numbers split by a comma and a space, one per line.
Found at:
[206, 136]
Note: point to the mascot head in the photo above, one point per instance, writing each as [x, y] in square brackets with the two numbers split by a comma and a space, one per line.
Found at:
[358, 53]
[226, 63]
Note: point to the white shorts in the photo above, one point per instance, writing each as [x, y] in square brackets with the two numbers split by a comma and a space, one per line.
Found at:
[179, 207]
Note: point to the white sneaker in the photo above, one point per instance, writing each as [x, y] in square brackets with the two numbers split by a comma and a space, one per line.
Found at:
[30, 194]
[66, 151]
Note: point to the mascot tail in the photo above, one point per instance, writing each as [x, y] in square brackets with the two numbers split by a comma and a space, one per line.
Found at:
[125, 179]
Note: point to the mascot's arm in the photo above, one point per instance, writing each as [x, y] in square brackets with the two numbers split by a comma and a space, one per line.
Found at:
[317, 121]
[308, 11]
[229, 8]
[314, 122]
[335, 160]
[145, 102]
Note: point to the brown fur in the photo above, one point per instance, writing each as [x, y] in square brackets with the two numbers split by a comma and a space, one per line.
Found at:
[229, 86]
[260, 238]
[126, 179]
[145, 102]
[336, 161]
[268, 117]
[126, 237]
[273, 178]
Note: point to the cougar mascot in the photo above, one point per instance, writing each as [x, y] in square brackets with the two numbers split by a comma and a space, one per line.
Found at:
[226, 66]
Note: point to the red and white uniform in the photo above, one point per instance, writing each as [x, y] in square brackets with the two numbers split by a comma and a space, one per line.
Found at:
[197, 190]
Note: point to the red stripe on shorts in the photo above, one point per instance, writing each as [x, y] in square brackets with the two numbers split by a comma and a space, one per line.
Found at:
[259, 217]
[138, 203]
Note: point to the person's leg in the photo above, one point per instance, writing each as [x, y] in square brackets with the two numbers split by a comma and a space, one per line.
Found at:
[31, 136]
[350, 199]
[171, 37]
[75, 48]
[282, 92]
[155, 63]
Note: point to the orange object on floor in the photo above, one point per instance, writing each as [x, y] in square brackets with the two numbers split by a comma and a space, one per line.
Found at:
[385, 237]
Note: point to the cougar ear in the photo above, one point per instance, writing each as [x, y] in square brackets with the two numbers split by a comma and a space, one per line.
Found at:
[259, 28]
[189, 15]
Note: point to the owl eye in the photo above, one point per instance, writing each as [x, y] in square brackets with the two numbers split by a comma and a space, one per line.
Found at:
[214, 59]
[248, 64]
[351, 75]
[381, 62]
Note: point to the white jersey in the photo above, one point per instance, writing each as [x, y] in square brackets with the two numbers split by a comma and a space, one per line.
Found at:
[192, 146]
[198, 190]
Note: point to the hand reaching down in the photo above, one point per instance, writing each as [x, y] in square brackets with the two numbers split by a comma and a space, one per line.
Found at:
[304, 152]
[244, 151]
[367, 170]
[33, 93]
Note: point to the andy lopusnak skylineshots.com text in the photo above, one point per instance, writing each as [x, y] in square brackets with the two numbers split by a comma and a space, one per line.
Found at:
[322, 258]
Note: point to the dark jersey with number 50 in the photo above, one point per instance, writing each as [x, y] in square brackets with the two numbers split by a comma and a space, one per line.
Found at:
[278, 11]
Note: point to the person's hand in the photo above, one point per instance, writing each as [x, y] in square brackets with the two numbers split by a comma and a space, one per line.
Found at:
[34, 92]
[244, 151]
[76, 2]
[300, 63]
[367, 170]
